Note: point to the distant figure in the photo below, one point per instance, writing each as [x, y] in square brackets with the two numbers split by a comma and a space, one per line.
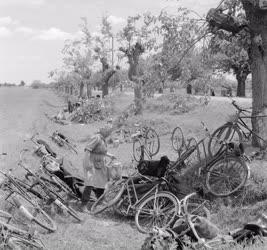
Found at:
[212, 93]
[98, 96]
[70, 106]
[189, 89]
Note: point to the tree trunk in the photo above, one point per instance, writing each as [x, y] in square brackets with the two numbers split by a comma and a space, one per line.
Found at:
[258, 21]
[138, 100]
[81, 94]
[104, 89]
[88, 90]
[106, 77]
[135, 73]
[241, 84]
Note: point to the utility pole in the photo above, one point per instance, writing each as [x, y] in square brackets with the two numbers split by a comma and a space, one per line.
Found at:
[112, 55]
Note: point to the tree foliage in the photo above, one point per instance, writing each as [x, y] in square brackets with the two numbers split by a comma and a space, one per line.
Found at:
[231, 50]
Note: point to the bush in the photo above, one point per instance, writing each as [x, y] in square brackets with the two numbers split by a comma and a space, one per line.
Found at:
[173, 103]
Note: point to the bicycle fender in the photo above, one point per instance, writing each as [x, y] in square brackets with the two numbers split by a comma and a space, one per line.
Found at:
[26, 213]
[60, 204]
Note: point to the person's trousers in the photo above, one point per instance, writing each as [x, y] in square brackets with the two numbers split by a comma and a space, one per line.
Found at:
[87, 193]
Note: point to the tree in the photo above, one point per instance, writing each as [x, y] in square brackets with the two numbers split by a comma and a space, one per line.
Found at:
[135, 39]
[179, 34]
[231, 52]
[102, 50]
[22, 83]
[78, 58]
[255, 23]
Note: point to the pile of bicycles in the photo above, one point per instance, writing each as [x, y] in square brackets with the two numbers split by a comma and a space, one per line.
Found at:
[190, 231]
[28, 203]
[224, 172]
[153, 200]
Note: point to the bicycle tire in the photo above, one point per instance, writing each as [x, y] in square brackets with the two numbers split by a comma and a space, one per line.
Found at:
[175, 209]
[43, 219]
[177, 135]
[104, 201]
[152, 134]
[218, 134]
[137, 150]
[212, 175]
[15, 243]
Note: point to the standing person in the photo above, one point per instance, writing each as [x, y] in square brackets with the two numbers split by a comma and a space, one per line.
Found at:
[95, 169]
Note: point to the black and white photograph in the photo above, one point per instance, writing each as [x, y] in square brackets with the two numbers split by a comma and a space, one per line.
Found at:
[133, 124]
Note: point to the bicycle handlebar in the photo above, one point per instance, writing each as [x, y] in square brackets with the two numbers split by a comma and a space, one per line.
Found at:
[238, 107]
[220, 141]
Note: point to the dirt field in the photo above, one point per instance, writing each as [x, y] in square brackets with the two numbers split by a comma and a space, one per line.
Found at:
[22, 113]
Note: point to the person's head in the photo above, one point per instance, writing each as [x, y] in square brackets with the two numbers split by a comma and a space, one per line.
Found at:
[105, 131]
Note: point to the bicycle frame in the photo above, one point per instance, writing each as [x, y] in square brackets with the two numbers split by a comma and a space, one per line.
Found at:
[17, 185]
[240, 123]
[129, 185]
[208, 162]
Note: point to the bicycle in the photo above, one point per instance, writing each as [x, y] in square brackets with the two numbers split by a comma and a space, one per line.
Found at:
[61, 140]
[49, 195]
[128, 187]
[52, 167]
[180, 144]
[145, 142]
[12, 237]
[226, 172]
[19, 199]
[236, 130]
[129, 196]
[186, 233]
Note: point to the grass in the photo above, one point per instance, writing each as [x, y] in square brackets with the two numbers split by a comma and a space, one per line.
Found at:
[108, 231]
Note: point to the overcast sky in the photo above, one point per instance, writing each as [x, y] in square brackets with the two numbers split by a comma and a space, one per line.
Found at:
[32, 32]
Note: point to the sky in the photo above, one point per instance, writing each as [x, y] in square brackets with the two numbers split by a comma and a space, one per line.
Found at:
[32, 32]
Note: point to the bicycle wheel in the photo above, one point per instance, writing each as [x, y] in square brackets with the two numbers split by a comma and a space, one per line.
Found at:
[177, 139]
[109, 198]
[137, 150]
[198, 206]
[227, 132]
[156, 210]
[152, 142]
[227, 175]
[19, 243]
[29, 210]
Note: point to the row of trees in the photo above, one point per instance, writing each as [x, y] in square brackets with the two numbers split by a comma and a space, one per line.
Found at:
[167, 47]
[152, 45]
